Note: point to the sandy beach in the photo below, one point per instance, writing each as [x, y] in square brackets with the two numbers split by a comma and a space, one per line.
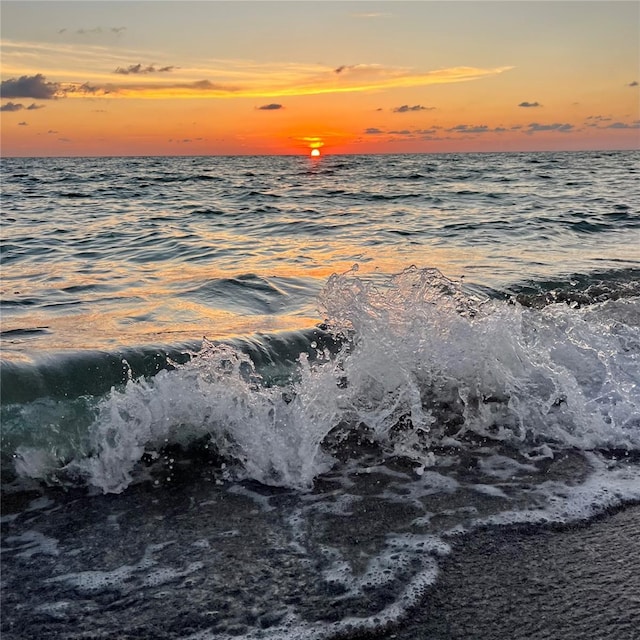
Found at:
[581, 581]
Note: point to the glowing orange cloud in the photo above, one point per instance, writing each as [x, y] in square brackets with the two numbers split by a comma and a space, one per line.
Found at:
[342, 80]
[91, 71]
[314, 142]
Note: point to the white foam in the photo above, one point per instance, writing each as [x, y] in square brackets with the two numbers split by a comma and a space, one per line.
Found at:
[421, 356]
[167, 574]
[400, 550]
[126, 577]
[490, 490]
[504, 468]
[608, 486]
[430, 483]
[31, 462]
[31, 543]
[260, 500]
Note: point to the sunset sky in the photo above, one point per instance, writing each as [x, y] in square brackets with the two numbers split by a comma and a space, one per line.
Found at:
[197, 78]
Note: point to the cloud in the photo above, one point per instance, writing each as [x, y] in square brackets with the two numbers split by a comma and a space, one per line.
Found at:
[535, 127]
[11, 106]
[423, 134]
[84, 89]
[596, 121]
[370, 15]
[197, 88]
[23, 124]
[623, 125]
[372, 131]
[466, 128]
[138, 68]
[372, 77]
[95, 30]
[529, 104]
[186, 140]
[266, 82]
[30, 87]
[270, 107]
[633, 84]
[17, 106]
[405, 108]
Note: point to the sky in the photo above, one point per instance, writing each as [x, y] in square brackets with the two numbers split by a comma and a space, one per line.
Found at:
[85, 78]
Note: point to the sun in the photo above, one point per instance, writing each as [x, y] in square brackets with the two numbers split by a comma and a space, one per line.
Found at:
[315, 153]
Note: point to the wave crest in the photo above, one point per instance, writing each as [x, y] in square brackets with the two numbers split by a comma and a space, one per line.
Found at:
[421, 366]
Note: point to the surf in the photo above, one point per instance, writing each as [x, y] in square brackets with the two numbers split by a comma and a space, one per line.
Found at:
[413, 366]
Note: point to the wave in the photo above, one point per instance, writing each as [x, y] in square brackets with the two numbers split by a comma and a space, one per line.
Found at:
[579, 290]
[412, 367]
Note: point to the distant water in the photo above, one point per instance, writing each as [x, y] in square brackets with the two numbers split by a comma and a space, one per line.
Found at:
[342, 363]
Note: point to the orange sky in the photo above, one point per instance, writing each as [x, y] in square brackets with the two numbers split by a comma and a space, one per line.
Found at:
[193, 78]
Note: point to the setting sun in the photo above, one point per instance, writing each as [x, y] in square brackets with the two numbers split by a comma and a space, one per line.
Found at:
[315, 152]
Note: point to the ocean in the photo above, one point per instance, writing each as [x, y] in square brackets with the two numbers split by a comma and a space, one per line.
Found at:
[276, 397]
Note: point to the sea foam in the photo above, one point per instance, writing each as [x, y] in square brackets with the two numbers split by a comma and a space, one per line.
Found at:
[422, 365]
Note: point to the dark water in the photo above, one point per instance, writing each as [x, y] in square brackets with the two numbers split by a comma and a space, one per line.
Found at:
[305, 469]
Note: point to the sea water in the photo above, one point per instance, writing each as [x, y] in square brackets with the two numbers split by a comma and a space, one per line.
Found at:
[261, 397]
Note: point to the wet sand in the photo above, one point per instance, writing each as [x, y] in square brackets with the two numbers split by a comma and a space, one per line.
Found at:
[580, 582]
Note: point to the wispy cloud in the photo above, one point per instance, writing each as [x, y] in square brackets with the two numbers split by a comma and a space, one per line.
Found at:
[623, 125]
[94, 31]
[530, 104]
[405, 108]
[371, 15]
[317, 142]
[597, 121]
[477, 129]
[437, 132]
[422, 134]
[286, 81]
[139, 68]
[13, 106]
[365, 77]
[467, 128]
[273, 106]
[83, 69]
[186, 140]
[535, 127]
[197, 88]
[633, 84]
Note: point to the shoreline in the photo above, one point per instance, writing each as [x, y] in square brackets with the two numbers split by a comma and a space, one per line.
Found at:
[549, 582]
